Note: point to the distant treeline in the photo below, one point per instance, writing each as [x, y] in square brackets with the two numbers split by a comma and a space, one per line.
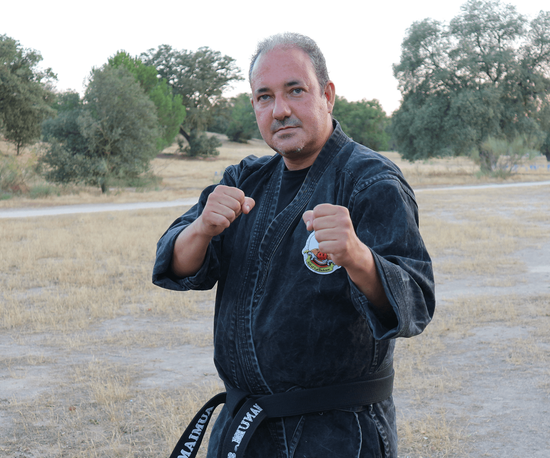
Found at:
[135, 106]
[478, 86]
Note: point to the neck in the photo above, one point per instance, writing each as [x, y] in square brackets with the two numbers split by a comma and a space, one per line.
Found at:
[299, 164]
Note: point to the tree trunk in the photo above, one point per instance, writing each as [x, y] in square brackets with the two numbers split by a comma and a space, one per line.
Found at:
[104, 185]
[185, 134]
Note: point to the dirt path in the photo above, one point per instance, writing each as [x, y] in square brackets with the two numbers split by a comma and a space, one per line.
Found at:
[90, 208]
[95, 208]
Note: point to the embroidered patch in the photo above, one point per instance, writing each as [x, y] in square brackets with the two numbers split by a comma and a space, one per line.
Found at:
[315, 260]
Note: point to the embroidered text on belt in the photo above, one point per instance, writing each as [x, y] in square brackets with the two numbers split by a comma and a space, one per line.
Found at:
[253, 409]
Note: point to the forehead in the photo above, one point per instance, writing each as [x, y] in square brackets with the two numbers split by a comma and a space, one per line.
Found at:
[281, 66]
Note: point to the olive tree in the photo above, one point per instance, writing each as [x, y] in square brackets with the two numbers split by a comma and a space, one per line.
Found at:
[486, 74]
[25, 93]
[111, 133]
[200, 78]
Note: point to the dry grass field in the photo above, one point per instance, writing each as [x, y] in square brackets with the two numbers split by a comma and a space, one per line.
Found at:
[97, 362]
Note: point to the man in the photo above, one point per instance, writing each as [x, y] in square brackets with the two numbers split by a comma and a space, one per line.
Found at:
[319, 266]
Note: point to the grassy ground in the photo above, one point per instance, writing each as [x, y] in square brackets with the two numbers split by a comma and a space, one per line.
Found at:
[485, 356]
[96, 362]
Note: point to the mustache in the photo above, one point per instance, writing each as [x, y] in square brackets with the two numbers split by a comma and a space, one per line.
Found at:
[287, 122]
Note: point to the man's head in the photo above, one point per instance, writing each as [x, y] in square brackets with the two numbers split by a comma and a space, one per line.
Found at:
[294, 40]
[292, 97]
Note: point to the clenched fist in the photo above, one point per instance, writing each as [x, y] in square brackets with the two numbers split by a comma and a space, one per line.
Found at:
[334, 231]
[224, 205]
[337, 238]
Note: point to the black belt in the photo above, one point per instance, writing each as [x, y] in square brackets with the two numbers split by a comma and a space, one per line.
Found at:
[251, 410]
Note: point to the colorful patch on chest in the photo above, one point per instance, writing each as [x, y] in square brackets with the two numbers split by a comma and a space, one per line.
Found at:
[315, 260]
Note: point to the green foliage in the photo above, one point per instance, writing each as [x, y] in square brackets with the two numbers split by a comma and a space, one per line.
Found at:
[485, 74]
[544, 122]
[111, 135]
[170, 109]
[25, 95]
[220, 117]
[200, 144]
[11, 175]
[199, 78]
[500, 157]
[242, 125]
[365, 121]
[65, 127]
[15, 174]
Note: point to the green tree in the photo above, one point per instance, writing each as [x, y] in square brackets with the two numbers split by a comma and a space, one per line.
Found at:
[484, 75]
[65, 127]
[170, 109]
[221, 117]
[111, 134]
[199, 77]
[544, 120]
[25, 93]
[242, 125]
[365, 121]
[200, 144]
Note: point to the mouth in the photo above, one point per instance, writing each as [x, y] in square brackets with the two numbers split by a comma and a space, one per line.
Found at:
[281, 129]
[279, 126]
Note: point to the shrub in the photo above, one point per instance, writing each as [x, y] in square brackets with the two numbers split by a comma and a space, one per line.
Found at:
[200, 144]
[111, 135]
[12, 175]
[500, 157]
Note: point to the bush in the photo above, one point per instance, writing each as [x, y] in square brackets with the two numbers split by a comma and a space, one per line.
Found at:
[200, 144]
[242, 126]
[12, 175]
[364, 121]
[500, 157]
[112, 134]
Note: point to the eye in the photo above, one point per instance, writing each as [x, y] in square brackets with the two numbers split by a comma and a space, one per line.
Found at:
[297, 90]
[263, 97]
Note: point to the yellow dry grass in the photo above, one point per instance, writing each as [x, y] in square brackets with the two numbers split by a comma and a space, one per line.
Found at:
[70, 285]
[475, 231]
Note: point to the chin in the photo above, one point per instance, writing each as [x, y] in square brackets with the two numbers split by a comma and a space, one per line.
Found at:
[288, 149]
[289, 152]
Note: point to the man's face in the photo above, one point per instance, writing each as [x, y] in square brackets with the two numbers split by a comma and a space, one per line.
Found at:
[293, 113]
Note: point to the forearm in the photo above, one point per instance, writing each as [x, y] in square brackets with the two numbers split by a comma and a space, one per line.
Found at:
[364, 274]
[189, 251]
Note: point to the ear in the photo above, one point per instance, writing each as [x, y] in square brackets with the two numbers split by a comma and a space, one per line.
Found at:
[330, 95]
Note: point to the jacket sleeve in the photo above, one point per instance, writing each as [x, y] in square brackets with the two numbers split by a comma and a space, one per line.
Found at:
[386, 218]
[207, 275]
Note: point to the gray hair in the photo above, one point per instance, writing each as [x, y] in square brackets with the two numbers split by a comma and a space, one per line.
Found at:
[294, 40]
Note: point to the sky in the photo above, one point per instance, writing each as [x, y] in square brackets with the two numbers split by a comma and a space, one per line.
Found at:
[361, 39]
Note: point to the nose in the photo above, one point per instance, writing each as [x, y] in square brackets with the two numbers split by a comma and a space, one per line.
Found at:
[281, 109]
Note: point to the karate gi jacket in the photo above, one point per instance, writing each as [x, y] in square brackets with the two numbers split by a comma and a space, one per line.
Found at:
[286, 319]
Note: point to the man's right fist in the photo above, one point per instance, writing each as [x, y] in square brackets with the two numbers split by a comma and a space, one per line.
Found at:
[224, 205]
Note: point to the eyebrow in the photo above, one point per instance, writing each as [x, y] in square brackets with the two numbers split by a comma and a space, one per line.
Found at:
[291, 83]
